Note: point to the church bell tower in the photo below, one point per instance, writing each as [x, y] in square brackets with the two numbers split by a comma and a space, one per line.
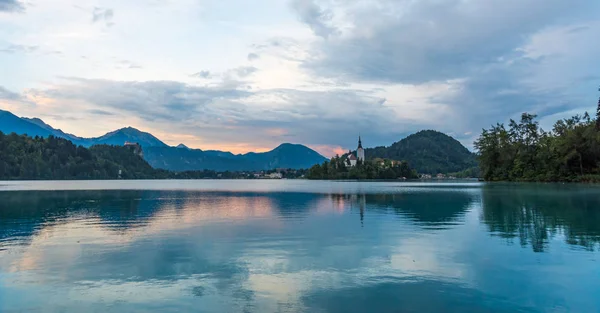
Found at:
[360, 152]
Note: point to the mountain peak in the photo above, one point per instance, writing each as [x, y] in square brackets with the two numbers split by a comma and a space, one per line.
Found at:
[182, 146]
[288, 145]
[120, 136]
[428, 151]
[128, 129]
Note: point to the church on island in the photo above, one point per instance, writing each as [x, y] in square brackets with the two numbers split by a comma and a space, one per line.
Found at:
[352, 159]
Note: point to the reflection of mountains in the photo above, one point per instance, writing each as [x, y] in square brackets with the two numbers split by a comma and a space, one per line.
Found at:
[536, 213]
[184, 222]
[22, 213]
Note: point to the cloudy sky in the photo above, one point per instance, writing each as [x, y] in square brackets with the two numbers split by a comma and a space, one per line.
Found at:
[244, 75]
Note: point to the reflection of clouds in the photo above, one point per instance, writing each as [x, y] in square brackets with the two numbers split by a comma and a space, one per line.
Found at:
[330, 205]
[278, 271]
[423, 257]
[261, 252]
[71, 237]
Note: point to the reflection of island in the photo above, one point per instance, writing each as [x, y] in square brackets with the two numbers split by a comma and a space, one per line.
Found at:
[25, 213]
[425, 209]
[536, 213]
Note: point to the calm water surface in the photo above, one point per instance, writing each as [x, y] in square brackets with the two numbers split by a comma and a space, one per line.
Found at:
[298, 246]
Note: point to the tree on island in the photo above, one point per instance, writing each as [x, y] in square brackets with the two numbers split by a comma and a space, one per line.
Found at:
[525, 152]
[337, 168]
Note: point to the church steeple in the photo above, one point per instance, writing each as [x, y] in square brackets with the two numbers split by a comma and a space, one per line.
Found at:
[360, 152]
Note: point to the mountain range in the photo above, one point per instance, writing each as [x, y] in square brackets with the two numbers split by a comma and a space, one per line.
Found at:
[427, 151]
[179, 158]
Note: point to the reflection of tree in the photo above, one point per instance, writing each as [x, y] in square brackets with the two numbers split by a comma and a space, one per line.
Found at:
[23, 212]
[428, 209]
[536, 213]
[290, 204]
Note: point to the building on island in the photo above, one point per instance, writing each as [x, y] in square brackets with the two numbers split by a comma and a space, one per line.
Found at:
[135, 148]
[276, 175]
[352, 159]
[360, 152]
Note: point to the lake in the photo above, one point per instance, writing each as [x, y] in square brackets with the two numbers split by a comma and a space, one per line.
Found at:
[298, 246]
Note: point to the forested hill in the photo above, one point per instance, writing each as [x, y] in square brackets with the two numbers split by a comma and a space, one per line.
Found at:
[428, 151]
[24, 157]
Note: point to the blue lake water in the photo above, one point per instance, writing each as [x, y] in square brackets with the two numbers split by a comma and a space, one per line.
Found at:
[298, 246]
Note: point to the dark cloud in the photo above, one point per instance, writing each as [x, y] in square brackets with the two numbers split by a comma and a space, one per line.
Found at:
[253, 56]
[314, 16]
[420, 41]
[11, 6]
[498, 59]
[100, 112]
[9, 95]
[496, 93]
[151, 100]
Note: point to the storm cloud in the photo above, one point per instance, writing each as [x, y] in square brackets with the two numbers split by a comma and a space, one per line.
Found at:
[497, 59]
[419, 41]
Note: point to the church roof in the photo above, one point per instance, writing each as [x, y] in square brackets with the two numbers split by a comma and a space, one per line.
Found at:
[359, 143]
[352, 157]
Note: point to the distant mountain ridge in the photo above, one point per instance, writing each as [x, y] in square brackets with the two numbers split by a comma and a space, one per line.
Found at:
[428, 151]
[10, 123]
[120, 136]
[55, 132]
[180, 158]
[284, 156]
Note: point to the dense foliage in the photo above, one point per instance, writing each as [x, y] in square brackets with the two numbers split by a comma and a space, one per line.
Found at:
[525, 152]
[428, 152]
[472, 172]
[336, 169]
[25, 157]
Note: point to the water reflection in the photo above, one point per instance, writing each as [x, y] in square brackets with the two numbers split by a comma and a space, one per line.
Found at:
[534, 214]
[415, 250]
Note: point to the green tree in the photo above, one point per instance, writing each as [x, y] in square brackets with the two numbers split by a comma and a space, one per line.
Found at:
[524, 152]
